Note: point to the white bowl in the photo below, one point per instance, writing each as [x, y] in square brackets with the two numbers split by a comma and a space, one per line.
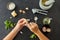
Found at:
[43, 6]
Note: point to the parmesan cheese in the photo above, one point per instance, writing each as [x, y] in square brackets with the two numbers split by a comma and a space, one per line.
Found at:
[14, 14]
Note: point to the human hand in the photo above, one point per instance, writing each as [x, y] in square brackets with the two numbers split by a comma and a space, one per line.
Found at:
[21, 22]
[17, 28]
[33, 27]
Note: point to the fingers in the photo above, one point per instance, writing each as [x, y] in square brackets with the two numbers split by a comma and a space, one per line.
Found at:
[33, 24]
[28, 25]
[21, 20]
[24, 22]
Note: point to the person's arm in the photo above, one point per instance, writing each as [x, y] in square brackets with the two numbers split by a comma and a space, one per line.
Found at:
[34, 28]
[41, 36]
[12, 34]
[17, 28]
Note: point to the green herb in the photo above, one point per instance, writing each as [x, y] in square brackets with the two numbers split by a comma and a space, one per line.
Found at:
[8, 24]
[33, 36]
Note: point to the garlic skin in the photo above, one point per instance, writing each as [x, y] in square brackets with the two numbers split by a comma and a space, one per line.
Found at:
[45, 7]
[35, 19]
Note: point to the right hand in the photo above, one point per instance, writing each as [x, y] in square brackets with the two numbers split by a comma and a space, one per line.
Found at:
[33, 27]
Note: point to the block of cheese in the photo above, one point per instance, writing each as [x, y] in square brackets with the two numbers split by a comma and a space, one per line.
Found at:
[14, 14]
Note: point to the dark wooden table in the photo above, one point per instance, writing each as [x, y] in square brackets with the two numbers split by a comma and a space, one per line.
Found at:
[5, 14]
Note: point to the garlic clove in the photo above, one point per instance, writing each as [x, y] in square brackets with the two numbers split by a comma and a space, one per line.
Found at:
[48, 30]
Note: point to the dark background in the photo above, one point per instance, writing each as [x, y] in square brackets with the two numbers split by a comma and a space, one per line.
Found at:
[54, 13]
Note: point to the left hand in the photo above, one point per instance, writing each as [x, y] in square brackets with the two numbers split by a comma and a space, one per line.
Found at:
[21, 22]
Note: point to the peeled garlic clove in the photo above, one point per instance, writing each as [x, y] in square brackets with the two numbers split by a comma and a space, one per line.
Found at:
[20, 11]
[48, 30]
[35, 18]
[24, 11]
[27, 8]
[21, 32]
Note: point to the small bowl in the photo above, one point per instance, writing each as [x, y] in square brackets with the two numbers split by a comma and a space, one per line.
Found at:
[11, 6]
